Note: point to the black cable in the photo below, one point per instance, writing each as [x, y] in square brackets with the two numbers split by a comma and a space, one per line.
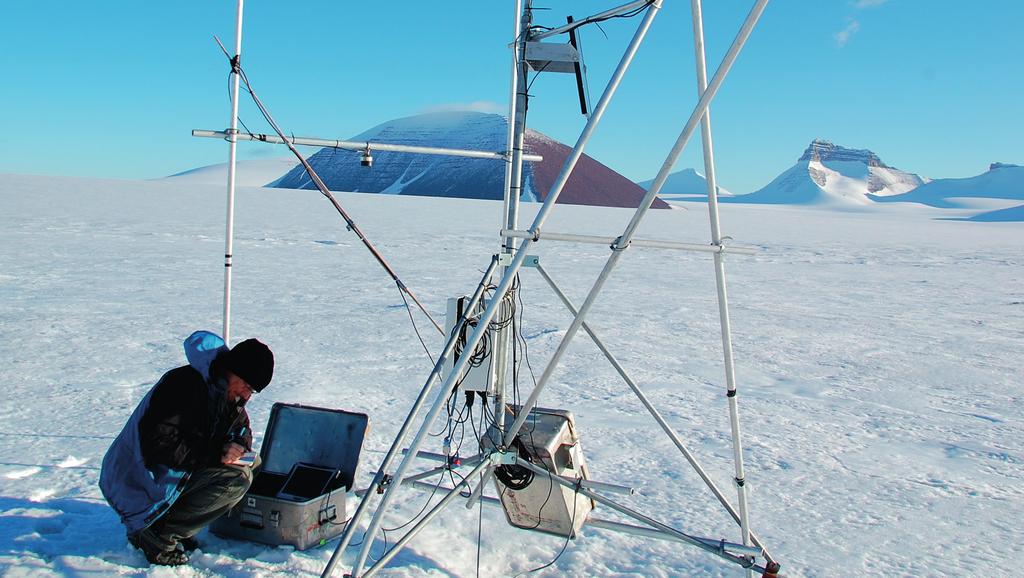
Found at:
[520, 340]
[418, 514]
[526, 353]
[385, 550]
[526, 93]
[515, 476]
[479, 534]
[576, 492]
[469, 488]
[416, 329]
[551, 491]
[240, 121]
[634, 12]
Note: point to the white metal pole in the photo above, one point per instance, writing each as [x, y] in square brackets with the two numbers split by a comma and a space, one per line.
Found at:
[503, 287]
[422, 523]
[359, 145]
[606, 241]
[705, 100]
[745, 561]
[513, 102]
[229, 236]
[723, 302]
[659, 535]
[645, 205]
[671, 433]
[513, 187]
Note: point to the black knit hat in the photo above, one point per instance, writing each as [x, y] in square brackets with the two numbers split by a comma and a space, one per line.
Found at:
[253, 361]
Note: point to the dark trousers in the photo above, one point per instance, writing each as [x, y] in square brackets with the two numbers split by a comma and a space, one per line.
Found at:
[208, 494]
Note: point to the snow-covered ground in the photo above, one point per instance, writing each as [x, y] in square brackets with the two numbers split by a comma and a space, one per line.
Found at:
[878, 356]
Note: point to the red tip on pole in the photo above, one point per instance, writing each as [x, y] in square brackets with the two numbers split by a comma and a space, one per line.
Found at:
[771, 570]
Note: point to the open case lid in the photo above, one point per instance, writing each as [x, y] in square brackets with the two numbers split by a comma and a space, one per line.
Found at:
[314, 435]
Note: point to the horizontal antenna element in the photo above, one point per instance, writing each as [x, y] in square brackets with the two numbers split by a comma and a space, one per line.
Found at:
[362, 145]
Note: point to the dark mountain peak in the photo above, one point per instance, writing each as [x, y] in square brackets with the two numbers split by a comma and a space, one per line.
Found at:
[592, 183]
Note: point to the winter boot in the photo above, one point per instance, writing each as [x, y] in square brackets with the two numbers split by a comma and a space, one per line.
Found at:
[174, 557]
[189, 544]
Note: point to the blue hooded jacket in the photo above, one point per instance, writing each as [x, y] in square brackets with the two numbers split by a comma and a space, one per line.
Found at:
[140, 494]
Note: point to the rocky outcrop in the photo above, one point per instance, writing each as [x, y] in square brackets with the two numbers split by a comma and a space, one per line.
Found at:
[822, 150]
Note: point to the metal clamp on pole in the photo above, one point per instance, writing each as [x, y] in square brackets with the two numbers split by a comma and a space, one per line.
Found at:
[383, 483]
[503, 457]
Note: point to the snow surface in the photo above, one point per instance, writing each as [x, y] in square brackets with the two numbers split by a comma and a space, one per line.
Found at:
[878, 358]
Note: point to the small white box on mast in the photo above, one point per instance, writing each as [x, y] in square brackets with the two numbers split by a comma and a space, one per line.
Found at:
[552, 57]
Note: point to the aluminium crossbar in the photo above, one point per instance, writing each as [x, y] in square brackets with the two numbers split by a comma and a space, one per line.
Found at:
[645, 401]
[358, 145]
[613, 526]
[595, 18]
[607, 241]
[589, 484]
[744, 561]
[716, 238]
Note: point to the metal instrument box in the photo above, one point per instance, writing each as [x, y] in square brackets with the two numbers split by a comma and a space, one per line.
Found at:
[550, 439]
[478, 377]
[312, 508]
[552, 57]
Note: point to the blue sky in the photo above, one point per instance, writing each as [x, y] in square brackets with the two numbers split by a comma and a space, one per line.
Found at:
[113, 89]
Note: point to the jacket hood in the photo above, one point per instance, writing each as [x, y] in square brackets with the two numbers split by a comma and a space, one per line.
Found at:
[201, 349]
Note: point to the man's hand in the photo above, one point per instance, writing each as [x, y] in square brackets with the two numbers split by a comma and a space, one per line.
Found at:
[232, 452]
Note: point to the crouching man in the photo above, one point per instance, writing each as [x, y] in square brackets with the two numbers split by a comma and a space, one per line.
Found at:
[172, 470]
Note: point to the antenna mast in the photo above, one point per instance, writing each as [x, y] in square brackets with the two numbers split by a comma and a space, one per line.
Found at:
[229, 236]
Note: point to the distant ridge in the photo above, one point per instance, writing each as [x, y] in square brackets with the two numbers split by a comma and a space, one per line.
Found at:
[1001, 216]
[1001, 181]
[684, 183]
[248, 173]
[829, 174]
[592, 183]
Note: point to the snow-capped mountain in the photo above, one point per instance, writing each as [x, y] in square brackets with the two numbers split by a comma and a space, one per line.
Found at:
[248, 173]
[684, 183]
[1001, 181]
[828, 174]
[592, 183]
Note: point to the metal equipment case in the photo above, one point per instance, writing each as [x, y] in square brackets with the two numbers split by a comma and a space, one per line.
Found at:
[549, 437]
[304, 516]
